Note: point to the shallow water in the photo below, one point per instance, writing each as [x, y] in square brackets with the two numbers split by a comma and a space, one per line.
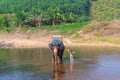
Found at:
[90, 63]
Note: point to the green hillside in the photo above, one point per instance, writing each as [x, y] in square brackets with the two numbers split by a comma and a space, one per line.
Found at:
[105, 10]
[104, 26]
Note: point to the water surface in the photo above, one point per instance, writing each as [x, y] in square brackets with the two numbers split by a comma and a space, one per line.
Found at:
[90, 63]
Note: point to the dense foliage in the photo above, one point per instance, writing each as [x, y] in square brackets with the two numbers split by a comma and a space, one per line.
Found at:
[44, 12]
[105, 10]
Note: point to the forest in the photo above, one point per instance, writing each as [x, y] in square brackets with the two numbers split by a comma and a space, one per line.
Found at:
[35, 13]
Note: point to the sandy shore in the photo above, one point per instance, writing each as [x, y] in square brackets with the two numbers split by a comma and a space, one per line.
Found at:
[20, 40]
[25, 40]
[38, 44]
[15, 43]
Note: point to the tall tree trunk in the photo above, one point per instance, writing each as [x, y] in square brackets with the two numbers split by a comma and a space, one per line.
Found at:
[37, 22]
[21, 24]
[53, 22]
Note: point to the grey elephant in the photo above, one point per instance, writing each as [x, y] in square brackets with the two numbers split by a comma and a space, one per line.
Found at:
[57, 48]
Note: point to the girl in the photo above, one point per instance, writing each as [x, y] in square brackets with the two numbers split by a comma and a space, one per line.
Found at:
[71, 55]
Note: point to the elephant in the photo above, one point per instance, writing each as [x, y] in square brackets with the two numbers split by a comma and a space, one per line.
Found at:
[57, 48]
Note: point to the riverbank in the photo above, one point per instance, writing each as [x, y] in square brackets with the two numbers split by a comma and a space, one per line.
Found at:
[24, 43]
[35, 38]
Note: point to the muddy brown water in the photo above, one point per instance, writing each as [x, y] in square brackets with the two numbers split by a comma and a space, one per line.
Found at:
[90, 63]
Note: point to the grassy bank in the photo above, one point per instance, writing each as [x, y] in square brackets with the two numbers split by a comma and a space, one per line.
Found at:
[74, 33]
[60, 29]
[64, 29]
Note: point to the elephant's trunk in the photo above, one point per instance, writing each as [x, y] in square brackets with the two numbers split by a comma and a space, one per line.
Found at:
[55, 54]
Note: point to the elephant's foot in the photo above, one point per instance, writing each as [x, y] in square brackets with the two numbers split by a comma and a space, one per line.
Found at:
[53, 61]
[61, 61]
[57, 60]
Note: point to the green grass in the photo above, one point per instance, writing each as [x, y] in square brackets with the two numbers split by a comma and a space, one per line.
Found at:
[7, 29]
[87, 29]
[107, 39]
[65, 28]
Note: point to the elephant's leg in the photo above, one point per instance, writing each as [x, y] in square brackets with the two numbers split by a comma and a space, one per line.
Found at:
[61, 54]
[58, 57]
[51, 49]
[61, 59]
[53, 58]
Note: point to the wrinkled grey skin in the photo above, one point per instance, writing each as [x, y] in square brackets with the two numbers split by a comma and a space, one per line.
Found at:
[60, 50]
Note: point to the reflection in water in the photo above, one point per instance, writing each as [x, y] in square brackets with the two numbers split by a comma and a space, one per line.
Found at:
[58, 71]
[71, 66]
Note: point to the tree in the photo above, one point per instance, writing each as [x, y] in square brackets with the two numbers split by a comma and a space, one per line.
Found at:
[37, 16]
[20, 18]
[6, 20]
[34, 18]
[54, 14]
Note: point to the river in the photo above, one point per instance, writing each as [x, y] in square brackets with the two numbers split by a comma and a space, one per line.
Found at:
[90, 63]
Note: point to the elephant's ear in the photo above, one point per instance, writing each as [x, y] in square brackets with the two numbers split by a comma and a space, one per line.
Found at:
[51, 46]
